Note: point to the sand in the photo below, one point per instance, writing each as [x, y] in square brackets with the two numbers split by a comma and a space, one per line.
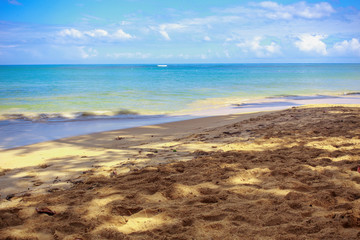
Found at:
[289, 174]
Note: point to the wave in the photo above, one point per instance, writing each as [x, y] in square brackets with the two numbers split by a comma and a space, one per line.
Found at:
[352, 93]
[106, 113]
[87, 115]
[313, 96]
[198, 106]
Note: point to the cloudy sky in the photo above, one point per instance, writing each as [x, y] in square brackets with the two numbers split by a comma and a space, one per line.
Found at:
[169, 31]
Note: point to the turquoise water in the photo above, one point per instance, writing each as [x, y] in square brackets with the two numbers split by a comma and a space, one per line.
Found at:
[41, 103]
[72, 90]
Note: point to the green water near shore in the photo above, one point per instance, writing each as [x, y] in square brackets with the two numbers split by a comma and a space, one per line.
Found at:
[78, 90]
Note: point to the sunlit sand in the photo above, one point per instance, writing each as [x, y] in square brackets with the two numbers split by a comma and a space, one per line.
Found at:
[277, 175]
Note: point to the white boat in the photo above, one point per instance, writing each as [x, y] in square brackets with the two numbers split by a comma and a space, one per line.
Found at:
[162, 65]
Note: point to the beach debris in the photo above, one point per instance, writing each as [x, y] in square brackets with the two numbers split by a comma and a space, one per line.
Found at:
[25, 194]
[38, 183]
[358, 169]
[174, 150]
[44, 166]
[45, 210]
[84, 156]
[77, 181]
[56, 180]
[119, 138]
[51, 190]
[198, 153]
[10, 196]
[113, 174]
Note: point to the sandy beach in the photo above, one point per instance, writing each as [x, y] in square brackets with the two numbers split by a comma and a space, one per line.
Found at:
[290, 174]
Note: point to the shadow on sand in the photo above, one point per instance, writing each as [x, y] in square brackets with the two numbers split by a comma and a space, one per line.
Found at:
[287, 175]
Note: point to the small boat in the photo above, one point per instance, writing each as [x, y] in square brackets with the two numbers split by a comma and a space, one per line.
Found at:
[162, 65]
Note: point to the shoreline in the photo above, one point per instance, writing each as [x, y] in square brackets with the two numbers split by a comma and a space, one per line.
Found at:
[17, 133]
[199, 107]
[56, 163]
[235, 175]
[102, 149]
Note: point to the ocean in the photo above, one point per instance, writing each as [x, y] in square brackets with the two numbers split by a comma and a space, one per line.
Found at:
[39, 102]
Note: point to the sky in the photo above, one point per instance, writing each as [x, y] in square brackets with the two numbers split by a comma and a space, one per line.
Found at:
[169, 31]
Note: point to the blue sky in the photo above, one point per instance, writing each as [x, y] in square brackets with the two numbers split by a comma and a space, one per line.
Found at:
[159, 31]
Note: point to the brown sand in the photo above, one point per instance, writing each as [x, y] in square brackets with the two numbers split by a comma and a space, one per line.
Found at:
[284, 175]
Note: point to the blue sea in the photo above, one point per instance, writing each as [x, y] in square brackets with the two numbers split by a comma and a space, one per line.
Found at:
[43, 98]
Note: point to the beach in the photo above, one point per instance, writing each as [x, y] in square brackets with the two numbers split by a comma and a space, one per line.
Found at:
[281, 174]
[179, 120]
[21, 132]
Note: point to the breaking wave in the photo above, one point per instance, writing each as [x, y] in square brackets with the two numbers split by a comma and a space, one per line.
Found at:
[87, 115]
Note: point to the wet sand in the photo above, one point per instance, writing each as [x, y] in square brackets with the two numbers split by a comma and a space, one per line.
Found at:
[34, 128]
[290, 174]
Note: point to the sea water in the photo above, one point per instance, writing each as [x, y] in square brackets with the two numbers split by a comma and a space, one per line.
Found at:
[37, 97]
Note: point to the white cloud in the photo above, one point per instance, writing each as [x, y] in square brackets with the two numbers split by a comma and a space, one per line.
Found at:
[259, 49]
[274, 10]
[120, 34]
[203, 56]
[311, 43]
[97, 33]
[233, 38]
[138, 55]
[164, 34]
[8, 46]
[172, 26]
[207, 38]
[87, 52]
[208, 21]
[164, 28]
[74, 33]
[123, 23]
[192, 25]
[351, 47]
[88, 17]
[184, 56]
[14, 2]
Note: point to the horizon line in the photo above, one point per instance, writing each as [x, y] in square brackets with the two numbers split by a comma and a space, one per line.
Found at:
[200, 63]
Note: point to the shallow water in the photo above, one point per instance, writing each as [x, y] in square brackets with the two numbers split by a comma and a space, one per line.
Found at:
[77, 90]
[46, 102]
